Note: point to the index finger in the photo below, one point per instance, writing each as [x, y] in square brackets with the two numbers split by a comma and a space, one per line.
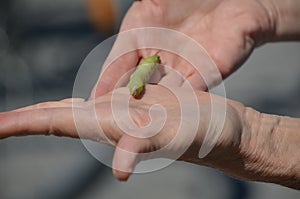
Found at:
[56, 121]
[59, 121]
[122, 58]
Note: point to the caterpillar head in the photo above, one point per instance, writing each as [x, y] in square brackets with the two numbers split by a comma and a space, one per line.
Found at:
[154, 59]
[136, 91]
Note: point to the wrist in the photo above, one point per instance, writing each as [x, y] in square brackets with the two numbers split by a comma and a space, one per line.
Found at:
[269, 148]
[252, 146]
[285, 16]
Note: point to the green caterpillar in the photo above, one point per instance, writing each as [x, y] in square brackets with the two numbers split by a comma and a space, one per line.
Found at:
[142, 75]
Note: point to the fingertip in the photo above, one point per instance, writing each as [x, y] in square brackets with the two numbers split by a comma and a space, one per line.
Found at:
[126, 157]
[121, 175]
[123, 164]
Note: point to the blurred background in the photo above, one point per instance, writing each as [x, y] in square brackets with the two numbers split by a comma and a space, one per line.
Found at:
[42, 45]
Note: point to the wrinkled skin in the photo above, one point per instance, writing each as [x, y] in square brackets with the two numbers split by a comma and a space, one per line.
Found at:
[252, 145]
[229, 30]
[56, 118]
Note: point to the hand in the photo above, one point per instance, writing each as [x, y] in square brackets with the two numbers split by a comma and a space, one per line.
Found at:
[251, 146]
[228, 29]
[58, 118]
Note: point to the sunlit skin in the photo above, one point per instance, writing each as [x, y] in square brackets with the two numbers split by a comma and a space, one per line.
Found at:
[228, 29]
[247, 141]
[252, 146]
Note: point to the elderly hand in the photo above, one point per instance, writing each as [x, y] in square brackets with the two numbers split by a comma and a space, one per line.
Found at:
[250, 145]
[77, 118]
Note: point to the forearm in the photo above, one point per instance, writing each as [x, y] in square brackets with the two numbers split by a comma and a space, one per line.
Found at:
[253, 146]
[286, 19]
[270, 148]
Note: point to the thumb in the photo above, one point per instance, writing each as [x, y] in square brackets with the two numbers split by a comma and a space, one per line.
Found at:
[127, 155]
[111, 74]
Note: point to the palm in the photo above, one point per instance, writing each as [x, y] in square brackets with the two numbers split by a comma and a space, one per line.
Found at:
[228, 30]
